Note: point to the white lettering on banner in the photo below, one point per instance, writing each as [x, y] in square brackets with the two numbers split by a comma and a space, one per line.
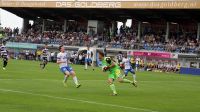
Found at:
[64, 4]
[89, 4]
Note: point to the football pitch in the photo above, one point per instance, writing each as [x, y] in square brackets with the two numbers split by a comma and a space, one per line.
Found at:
[24, 87]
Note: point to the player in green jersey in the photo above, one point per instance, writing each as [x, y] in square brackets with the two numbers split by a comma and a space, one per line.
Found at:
[114, 72]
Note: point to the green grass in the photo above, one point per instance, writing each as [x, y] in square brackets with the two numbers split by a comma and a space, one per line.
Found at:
[24, 87]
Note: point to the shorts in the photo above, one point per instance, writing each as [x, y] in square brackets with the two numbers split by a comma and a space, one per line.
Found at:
[115, 74]
[129, 70]
[137, 65]
[5, 58]
[88, 60]
[44, 59]
[66, 69]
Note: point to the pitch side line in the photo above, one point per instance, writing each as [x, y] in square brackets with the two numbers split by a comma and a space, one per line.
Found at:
[84, 80]
[77, 100]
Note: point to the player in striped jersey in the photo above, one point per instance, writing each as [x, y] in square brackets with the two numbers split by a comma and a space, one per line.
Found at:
[4, 55]
[45, 54]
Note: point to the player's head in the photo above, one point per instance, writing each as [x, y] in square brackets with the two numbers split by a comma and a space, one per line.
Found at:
[125, 55]
[101, 55]
[61, 48]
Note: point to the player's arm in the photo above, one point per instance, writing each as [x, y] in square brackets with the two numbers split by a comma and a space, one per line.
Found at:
[59, 61]
[112, 64]
[87, 55]
[91, 54]
[123, 61]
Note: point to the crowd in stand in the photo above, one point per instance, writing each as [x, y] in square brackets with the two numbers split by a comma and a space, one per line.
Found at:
[126, 39]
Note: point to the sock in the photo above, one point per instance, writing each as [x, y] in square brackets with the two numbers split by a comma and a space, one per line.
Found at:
[134, 77]
[126, 81]
[65, 79]
[86, 66]
[112, 87]
[75, 80]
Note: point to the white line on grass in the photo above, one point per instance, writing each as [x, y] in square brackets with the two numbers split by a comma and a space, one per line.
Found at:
[77, 100]
[91, 80]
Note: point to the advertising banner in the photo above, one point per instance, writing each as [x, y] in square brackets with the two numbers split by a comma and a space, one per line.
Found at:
[151, 54]
[124, 4]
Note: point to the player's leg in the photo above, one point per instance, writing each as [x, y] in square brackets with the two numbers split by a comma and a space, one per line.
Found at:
[126, 72]
[73, 74]
[65, 78]
[45, 63]
[111, 84]
[66, 73]
[134, 77]
[123, 80]
[42, 63]
[86, 63]
[5, 62]
[134, 74]
[120, 77]
[136, 67]
[92, 64]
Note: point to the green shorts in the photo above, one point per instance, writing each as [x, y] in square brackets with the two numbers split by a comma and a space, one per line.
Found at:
[115, 74]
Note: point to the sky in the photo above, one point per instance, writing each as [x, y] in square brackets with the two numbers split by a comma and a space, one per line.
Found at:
[8, 19]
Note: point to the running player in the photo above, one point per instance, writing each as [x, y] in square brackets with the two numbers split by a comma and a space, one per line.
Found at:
[127, 67]
[45, 54]
[4, 55]
[65, 68]
[137, 63]
[119, 57]
[88, 58]
[109, 65]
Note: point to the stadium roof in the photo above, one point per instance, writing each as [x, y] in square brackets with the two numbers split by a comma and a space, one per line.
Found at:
[149, 15]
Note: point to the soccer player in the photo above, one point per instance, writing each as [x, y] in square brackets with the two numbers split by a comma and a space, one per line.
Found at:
[45, 54]
[119, 57]
[132, 62]
[88, 58]
[65, 68]
[4, 55]
[109, 65]
[137, 63]
[127, 67]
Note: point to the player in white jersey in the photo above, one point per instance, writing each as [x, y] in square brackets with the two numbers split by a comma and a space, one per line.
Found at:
[65, 68]
[88, 58]
[45, 54]
[4, 55]
[127, 67]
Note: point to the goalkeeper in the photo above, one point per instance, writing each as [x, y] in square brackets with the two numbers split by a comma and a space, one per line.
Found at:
[109, 65]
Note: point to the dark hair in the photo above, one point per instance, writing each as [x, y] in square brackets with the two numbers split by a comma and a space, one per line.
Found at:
[59, 48]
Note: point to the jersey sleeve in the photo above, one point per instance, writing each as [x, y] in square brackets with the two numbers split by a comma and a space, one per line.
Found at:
[58, 57]
[104, 63]
[123, 61]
